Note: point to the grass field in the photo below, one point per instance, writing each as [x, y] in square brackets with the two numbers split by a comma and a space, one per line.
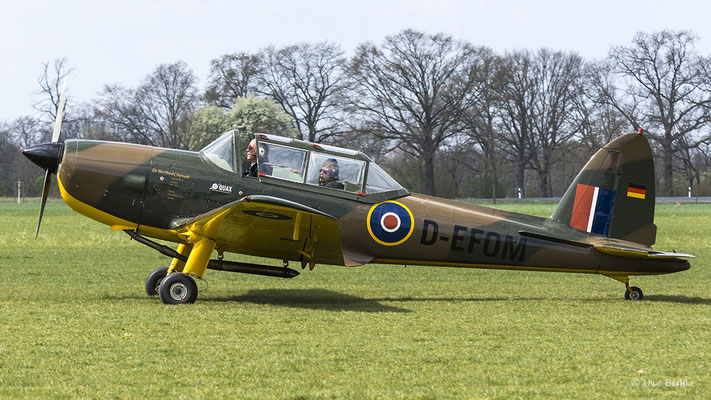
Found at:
[75, 323]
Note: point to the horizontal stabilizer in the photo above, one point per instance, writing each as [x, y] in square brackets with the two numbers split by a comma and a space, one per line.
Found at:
[632, 252]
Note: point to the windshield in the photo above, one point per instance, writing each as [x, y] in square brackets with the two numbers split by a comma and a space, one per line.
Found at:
[379, 181]
[222, 151]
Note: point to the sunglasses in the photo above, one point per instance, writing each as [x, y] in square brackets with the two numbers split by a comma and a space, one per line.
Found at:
[325, 171]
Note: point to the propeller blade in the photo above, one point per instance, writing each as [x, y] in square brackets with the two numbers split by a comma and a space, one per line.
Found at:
[60, 111]
[45, 192]
[46, 160]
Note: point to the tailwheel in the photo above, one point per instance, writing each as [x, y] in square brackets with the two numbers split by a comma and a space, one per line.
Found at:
[633, 293]
[154, 279]
[178, 288]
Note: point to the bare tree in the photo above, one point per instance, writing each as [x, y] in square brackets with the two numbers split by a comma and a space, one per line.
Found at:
[26, 131]
[597, 122]
[413, 91]
[306, 80]
[688, 166]
[157, 112]
[518, 97]
[88, 122]
[124, 119]
[232, 76]
[458, 160]
[21, 133]
[553, 127]
[701, 165]
[659, 84]
[8, 151]
[50, 82]
[481, 120]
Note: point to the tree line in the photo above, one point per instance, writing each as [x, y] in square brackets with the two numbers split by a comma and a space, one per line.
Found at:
[442, 115]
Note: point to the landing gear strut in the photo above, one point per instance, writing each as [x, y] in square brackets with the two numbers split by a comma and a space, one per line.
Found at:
[632, 292]
[175, 284]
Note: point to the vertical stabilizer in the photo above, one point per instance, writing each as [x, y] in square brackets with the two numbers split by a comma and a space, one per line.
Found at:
[613, 195]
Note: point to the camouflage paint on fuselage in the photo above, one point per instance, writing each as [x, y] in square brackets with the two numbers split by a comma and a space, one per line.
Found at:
[159, 189]
[451, 233]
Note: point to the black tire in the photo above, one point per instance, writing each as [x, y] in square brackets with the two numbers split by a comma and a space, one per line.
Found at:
[178, 288]
[154, 279]
[636, 294]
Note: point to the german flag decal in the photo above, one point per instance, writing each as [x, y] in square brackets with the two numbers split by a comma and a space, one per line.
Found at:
[637, 191]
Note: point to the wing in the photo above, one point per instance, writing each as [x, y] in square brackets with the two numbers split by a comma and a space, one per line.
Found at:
[269, 226]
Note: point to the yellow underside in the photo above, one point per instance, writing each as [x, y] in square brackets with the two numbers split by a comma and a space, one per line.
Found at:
[116, 223]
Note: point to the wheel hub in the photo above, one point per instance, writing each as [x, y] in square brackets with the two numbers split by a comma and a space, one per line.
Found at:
[178, 291]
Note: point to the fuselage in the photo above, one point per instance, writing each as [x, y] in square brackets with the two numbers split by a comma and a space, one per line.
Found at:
[155, 190]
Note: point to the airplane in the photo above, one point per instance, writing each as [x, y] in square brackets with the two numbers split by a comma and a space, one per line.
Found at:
[314, 203]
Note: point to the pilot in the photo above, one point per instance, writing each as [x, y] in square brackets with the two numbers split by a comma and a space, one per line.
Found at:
[328, 174]
[264, 166]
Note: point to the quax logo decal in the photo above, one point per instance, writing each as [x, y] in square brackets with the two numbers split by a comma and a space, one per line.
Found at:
[219, 187]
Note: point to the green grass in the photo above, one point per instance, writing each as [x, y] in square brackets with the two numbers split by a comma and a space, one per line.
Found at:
[75, 323]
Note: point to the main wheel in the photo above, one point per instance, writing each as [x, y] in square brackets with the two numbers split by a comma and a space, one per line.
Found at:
[154, 279]
[178, 288]
[635, 294]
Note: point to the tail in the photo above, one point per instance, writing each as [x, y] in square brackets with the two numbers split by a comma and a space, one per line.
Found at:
[613, 195]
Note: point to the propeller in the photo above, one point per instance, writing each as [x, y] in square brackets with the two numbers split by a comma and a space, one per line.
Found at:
[47, 155]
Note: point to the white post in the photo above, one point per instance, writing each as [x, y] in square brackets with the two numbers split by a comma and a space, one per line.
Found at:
[689, 191]
[519, 192]
[19, 192]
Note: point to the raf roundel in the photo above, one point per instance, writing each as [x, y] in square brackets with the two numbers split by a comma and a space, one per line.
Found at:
[390, 223]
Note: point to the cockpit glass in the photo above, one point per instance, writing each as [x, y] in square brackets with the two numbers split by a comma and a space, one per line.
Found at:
[379, 181]
[221, 152]
[335, 172]
[282, 162]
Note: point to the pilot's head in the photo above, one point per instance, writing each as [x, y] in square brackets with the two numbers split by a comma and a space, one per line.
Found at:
[328, 171]
[252, 151]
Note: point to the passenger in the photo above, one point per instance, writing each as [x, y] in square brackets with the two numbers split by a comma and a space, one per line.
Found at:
[328, 175]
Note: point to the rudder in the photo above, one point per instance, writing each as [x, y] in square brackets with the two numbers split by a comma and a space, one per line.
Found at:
[613, 195]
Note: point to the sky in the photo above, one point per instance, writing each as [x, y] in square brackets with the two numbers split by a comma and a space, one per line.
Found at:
[122, 41]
